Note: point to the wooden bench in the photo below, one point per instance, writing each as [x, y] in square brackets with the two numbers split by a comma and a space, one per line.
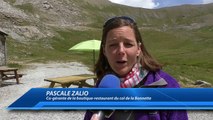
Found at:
[65, 82]
[9, 73]
[8, 76]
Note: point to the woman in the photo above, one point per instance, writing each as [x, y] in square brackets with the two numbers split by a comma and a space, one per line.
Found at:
[123, 54]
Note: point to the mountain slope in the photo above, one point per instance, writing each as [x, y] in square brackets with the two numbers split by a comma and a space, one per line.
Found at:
[37, 19]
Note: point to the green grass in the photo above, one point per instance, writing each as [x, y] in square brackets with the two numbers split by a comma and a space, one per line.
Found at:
[69, 38]
[28, 7]
[184, 54]
[181, 55]
[54, 49]
[10, 1]
[191, 72]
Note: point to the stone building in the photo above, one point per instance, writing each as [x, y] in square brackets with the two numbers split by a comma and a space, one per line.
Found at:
[3, 50]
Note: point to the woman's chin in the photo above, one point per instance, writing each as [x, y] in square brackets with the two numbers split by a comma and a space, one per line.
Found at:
[122, 72]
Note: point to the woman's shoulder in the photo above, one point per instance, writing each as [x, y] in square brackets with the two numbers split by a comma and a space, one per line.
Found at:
[159, 75]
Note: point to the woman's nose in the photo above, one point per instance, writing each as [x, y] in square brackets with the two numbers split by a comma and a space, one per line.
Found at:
[121, 49]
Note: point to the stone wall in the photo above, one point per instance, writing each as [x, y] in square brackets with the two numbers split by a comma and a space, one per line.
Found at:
[2, 49]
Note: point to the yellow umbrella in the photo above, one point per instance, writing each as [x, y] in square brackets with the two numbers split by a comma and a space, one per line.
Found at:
[89, 45]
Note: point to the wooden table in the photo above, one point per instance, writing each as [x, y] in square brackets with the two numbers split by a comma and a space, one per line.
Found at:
[9, 73]
[65, 82]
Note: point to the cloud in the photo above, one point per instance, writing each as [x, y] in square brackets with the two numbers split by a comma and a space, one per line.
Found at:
[154, 4]
[150, 4]
[207, 1]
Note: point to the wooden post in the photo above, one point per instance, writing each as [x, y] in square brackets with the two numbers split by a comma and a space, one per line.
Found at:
[0, 80]
[16, 76]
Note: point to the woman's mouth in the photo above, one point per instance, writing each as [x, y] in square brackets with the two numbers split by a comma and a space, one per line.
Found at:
[121, 62]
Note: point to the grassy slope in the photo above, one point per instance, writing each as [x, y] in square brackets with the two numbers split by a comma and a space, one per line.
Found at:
[185, 53]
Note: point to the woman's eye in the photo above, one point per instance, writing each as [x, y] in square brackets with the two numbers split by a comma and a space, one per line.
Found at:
[128, 44]
[112, 45]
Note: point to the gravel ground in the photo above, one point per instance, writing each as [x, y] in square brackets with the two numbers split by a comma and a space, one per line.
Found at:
[34, 77]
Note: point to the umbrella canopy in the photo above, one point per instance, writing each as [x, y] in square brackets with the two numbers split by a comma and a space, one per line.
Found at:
[88, 45]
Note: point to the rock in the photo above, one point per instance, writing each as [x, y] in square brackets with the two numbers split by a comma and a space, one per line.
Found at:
[42, 19]
[47, 5]
[203, 84]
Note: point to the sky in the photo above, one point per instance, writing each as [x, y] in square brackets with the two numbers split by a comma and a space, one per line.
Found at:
[154, 4]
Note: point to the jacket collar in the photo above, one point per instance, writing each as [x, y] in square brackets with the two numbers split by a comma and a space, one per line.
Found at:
[160, 83]
[155, 77]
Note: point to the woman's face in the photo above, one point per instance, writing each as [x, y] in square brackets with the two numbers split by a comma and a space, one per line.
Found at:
[121, 49]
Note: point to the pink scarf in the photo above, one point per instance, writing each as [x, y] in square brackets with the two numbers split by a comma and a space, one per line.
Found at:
[133, 77]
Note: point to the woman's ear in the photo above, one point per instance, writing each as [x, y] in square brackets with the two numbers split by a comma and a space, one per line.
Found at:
[139, 50]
